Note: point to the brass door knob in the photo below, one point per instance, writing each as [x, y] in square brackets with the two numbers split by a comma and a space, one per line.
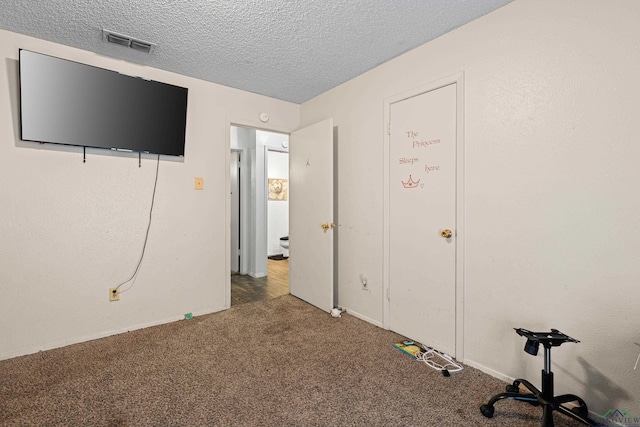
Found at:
[446, 233]
[326, 225]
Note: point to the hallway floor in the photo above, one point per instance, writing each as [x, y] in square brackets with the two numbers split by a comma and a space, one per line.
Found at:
[245, 288]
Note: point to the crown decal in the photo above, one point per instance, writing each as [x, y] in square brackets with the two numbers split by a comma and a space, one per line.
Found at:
[410, 183]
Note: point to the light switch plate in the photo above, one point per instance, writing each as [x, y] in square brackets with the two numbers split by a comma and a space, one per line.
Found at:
[198, 183]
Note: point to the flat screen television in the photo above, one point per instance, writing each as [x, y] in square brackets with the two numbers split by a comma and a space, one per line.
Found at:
[65, 102]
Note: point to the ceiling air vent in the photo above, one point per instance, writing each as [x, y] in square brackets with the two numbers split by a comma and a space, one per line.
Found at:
[122, 40]
[141, 46]
[112, 38]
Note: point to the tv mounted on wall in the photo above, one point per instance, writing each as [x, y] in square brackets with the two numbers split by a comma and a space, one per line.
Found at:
[65, 102]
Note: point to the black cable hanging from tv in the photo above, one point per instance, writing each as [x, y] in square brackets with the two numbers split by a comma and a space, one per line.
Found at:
[146, 237]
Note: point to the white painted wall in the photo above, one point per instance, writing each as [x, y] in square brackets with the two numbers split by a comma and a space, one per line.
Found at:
[71, 230]
[552, 214]
[277, 210]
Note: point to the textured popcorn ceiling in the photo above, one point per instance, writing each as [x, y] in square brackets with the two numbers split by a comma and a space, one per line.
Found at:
[287, 49]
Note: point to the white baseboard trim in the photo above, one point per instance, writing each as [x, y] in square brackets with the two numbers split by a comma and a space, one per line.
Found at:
[489, 371]
[362, 317]
[76, 340]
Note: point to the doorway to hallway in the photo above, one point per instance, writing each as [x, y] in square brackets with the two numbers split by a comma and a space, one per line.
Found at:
[311, 224]
[259, 214]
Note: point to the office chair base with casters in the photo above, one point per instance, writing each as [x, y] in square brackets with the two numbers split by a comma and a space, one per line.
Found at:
[544, 397]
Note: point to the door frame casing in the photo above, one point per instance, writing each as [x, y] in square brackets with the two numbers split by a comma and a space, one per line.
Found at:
[458, 79]
[242, 153]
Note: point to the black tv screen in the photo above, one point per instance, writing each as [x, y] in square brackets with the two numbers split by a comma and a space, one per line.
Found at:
[65, 102]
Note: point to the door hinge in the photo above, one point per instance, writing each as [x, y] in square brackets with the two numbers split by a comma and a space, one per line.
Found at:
[388, 294]
[388, 128]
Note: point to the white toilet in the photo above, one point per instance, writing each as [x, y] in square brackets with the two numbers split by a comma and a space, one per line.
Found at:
[284, 244]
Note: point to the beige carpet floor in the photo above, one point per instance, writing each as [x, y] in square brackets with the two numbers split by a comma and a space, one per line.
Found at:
[279, 362]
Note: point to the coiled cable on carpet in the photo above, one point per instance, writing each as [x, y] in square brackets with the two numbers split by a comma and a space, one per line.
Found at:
[438, 361]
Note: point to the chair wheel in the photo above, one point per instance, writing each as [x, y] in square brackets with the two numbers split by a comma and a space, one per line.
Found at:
[512, 388]
[487, 410]
[580, 411]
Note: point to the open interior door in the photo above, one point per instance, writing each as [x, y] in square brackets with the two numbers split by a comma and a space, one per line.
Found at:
[311, 226]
